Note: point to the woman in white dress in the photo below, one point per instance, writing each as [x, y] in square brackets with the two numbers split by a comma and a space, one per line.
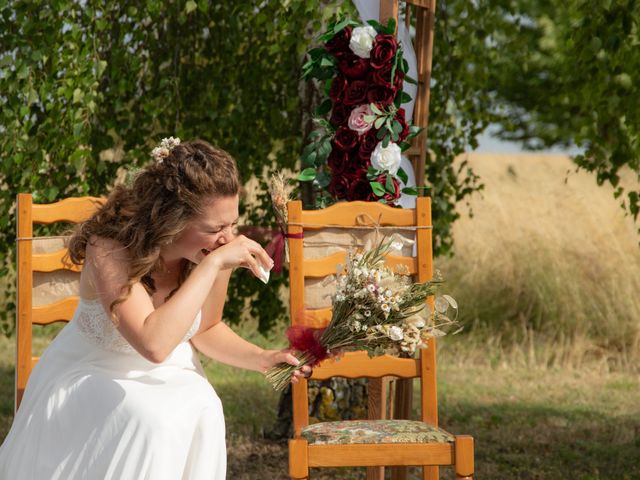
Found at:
[120, 393]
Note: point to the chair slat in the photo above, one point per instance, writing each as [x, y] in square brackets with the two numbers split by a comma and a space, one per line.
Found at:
[359, 365]
[348, 214]
[369, 455]
[72, 210]
[55, 312]
[322, 267]
[318, 318]
[50, 262]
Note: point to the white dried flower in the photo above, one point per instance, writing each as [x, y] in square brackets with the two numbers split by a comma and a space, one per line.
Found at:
[163, 150]
[416, 320]
[395, 333]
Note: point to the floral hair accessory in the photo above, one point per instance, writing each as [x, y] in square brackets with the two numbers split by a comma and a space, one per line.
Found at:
[162, 151]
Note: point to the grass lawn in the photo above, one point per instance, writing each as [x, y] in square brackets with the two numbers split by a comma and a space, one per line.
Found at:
[529, 422]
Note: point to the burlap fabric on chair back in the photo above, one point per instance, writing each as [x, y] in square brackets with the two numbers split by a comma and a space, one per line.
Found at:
[328, 240]
[50, 287]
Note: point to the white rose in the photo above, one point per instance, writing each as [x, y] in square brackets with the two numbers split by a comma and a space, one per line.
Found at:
[395, 333]
[362, 39]
[387, 158]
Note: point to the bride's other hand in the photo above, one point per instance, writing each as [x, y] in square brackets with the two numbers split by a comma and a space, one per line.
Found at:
[241, 252]
[271, 358]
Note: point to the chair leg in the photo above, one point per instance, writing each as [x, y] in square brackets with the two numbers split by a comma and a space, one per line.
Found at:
[430, 473]
[464, 457]
[298, 459]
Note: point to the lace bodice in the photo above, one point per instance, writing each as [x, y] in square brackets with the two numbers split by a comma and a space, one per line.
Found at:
[94, 322]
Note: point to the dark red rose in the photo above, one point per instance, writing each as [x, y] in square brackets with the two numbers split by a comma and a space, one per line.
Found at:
[339, 114]
[383, 50]
[338, 161]
[339, 186]
[346, 139]
[340, 42]
[368, 143]
[380, 95]
[338, 87]
[356, 93]
[390, 197]
[352, 66]
[405, 128]
[359, 188]
[382, 77]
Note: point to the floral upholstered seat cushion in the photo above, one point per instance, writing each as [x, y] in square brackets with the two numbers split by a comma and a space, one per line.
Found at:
[374, 431]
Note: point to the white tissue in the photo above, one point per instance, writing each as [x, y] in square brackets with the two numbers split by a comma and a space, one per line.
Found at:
[264, 274]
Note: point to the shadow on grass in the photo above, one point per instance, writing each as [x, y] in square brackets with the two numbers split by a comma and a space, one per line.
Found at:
[542, 441]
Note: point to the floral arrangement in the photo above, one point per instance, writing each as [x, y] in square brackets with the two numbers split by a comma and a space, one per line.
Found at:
[280, 195]
[162, 151]
[355, 152]
[374, 309]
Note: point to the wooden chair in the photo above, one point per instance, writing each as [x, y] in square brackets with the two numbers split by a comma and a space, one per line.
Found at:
[335, 444]
[36, 260]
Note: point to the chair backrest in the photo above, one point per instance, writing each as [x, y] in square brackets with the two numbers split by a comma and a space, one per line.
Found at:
[357, 364]
[41, 273]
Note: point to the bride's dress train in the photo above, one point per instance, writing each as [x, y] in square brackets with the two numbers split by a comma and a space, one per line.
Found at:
[96, 409]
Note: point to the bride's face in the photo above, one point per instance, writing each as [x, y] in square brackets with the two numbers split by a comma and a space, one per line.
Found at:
[214, 228]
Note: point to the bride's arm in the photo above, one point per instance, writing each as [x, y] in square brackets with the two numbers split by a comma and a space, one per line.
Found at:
[219, 342]
[154, 333]
[222, 344]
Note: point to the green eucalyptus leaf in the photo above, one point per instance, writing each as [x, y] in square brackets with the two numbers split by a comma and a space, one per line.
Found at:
[402, 175]
[374, 108]
[388, 184]
[323, 179]
[409, 79]
[324, 108]
[377, 188]
[307, 175]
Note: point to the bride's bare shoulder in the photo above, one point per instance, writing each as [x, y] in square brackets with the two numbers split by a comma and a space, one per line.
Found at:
[101, 249]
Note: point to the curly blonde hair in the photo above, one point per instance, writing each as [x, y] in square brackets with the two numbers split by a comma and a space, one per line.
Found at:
[149, 213]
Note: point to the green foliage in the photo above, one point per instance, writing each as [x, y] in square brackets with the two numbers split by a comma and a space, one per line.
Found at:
[565, 73]
[88, 88]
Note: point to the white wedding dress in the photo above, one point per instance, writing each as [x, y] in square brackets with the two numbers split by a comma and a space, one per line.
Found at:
[95, 409]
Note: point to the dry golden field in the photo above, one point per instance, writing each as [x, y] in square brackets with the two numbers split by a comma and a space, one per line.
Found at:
[548, 267]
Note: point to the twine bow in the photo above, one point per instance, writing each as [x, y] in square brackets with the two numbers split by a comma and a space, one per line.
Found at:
[276, 248]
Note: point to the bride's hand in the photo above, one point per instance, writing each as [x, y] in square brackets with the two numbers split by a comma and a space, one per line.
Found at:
[271, 358]
[241, 252]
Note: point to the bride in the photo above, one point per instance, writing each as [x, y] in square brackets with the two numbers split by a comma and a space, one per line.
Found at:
[120, 393]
